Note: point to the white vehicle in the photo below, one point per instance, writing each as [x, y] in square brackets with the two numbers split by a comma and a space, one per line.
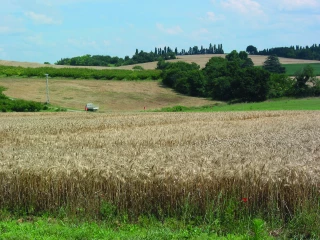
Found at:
[91, 107]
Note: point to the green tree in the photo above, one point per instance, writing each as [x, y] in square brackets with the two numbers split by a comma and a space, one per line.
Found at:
[196, 83]
[233, 56]
[221, 88]
[251, 50]
[303, 77]
[251, 84]
[272, 64]
[240, 58]
[280, 85]
[180, 75]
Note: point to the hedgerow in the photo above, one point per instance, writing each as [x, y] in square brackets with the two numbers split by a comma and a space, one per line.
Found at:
[83, 73]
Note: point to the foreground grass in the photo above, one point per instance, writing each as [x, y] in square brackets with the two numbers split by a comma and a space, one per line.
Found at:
[276, 104]
[292, 69]
[48, 228]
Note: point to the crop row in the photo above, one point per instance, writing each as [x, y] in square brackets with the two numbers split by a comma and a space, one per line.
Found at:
[83, 73]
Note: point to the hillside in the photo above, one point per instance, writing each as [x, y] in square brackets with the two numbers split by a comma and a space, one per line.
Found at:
[199, 59]
[108, 95]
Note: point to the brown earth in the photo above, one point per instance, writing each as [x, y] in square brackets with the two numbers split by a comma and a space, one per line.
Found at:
[108, 95]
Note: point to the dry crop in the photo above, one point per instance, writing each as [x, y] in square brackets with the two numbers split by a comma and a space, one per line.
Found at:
[160, 163]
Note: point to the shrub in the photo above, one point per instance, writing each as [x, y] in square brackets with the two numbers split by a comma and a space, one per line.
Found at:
[280, 85]
[137, 67]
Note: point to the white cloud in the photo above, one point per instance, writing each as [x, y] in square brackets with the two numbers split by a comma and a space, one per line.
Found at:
[4, 29]
[41, 18]
[11, 25]
[106, 43]
[201, 31]
[298, 4]
[212, 17]
[35, 39]
[173, 30]
[67, 2]
[200, 34]
[81, 43]
[243, 6]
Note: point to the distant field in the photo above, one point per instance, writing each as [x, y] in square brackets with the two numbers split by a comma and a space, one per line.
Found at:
[108, 95]
[199, 59]
[291, 69]
[277, 104]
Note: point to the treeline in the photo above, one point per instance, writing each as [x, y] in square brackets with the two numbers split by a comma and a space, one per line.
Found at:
[82, 73]
[310, 53]
[165, 53]
[108, 61]
[212, 49]
[11, 105]
[235, 79]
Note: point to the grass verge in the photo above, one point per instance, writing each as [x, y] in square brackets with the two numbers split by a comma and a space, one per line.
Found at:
[228, 225]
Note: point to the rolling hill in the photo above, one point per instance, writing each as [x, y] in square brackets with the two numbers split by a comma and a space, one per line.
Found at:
[111, 95]
[199, 59]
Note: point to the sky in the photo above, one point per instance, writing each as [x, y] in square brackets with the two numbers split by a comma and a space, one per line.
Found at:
[48, 30]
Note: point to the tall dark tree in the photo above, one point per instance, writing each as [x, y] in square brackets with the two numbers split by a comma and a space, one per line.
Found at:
[272, 64]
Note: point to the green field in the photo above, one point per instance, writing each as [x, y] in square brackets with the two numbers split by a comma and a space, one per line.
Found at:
[291, 69]
[270, 105]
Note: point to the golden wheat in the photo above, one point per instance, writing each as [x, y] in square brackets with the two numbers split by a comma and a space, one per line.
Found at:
[147, 162]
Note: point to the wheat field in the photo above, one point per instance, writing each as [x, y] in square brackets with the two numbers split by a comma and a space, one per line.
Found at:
[154, 162]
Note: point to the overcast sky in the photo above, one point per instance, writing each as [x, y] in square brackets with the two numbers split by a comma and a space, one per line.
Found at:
[47, 30]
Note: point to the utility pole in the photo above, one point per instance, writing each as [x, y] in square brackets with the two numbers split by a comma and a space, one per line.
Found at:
[48, 100]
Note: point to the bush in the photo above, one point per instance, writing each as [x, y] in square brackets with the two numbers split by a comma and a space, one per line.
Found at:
[306, 83]
[137, 67]
[280, 85]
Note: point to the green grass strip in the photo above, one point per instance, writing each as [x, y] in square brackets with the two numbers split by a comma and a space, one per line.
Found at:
[292, 69]
[275, 104]
[56, 229]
